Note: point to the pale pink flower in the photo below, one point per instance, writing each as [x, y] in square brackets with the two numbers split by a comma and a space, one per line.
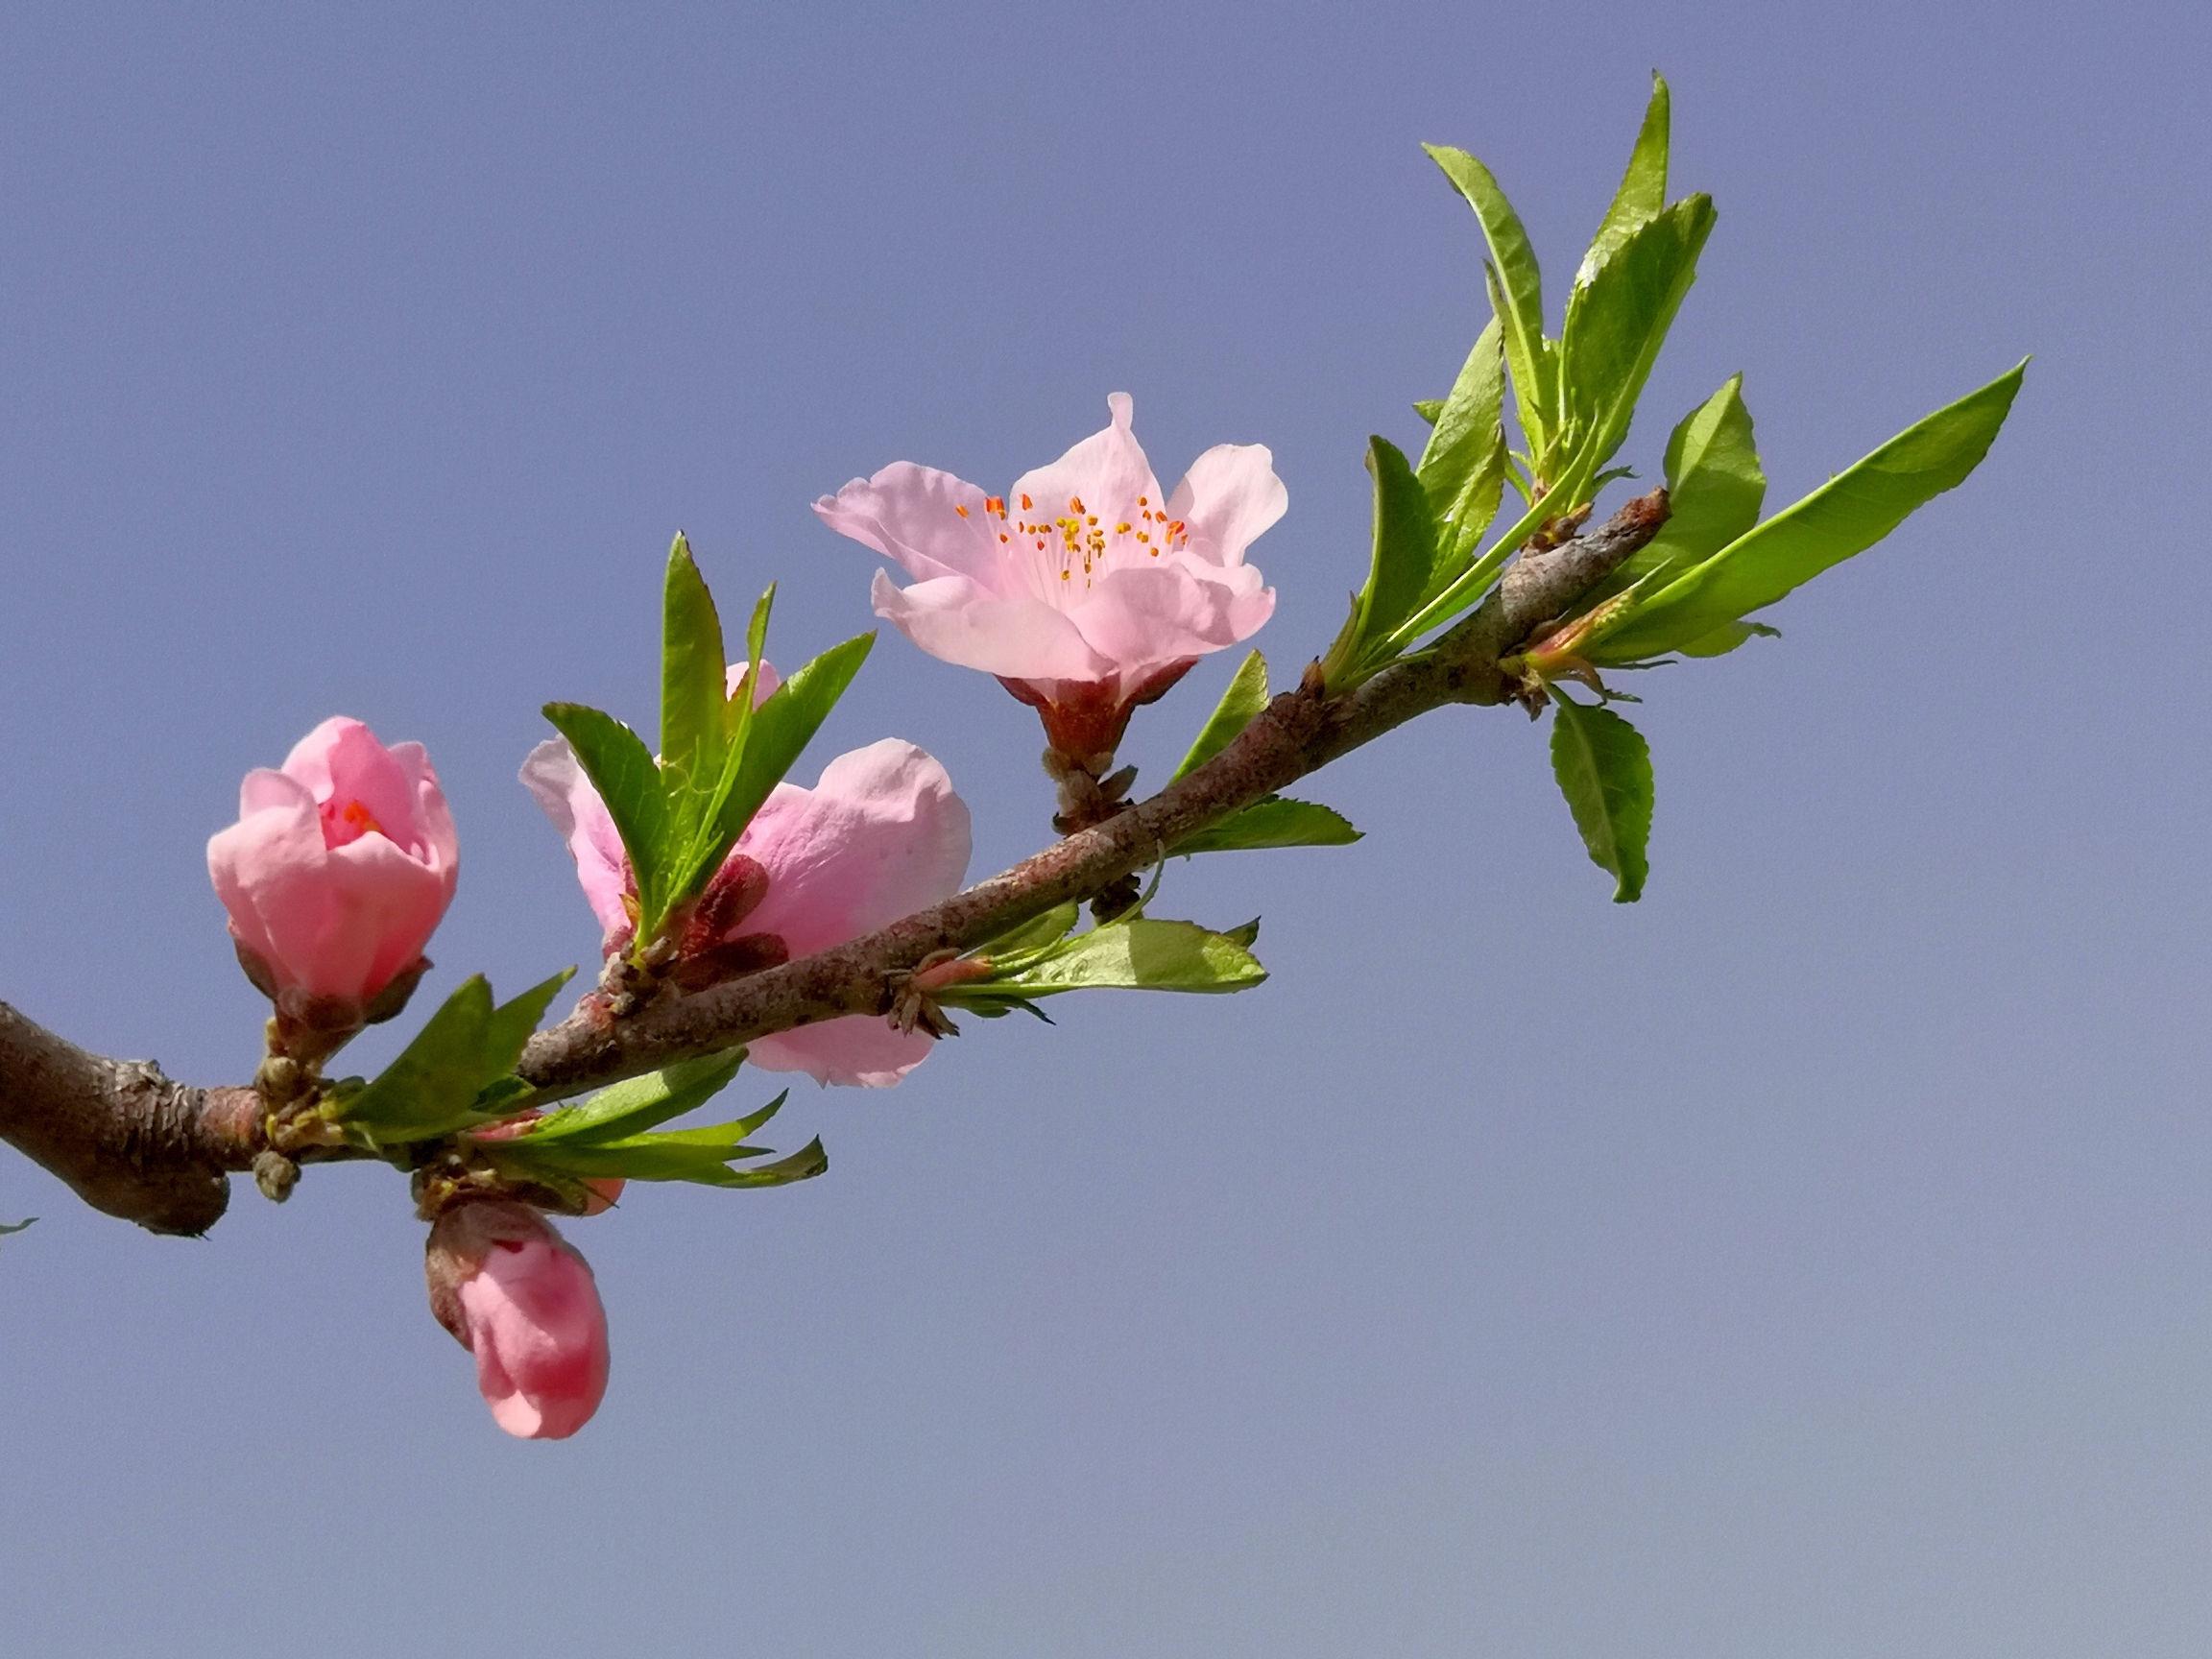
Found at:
[1085, 588]
[553, 775]
[338, 867]
[881, 835]
[515, 1293]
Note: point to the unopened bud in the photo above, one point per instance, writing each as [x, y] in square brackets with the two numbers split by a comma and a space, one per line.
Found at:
[275, 1175]
[515, 1294]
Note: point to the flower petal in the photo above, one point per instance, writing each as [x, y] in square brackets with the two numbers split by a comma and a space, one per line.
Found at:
[1228, 498]
[269, 865]
[554, 775]
[881, 836]
[1107, 472]
[958, 621]
[540, 1336]
[1142, 619]
[932, 522]
[860, 1051]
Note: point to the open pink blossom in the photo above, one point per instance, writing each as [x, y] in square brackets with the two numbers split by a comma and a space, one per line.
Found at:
[514, 1293]
[338, 867]
[1085, 588]
[881, 835]
[553, 775]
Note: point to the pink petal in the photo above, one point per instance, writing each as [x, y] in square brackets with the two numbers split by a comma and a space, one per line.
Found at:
[955, 620]
[433, 818]
[270, 863]
[881, 836]
[1143, 619]
[1107, 472]
[1228, 499]
[554, 775]
[380, 908]
[860, 1051]
[540, 1336]
[915, 515]
[733, 677]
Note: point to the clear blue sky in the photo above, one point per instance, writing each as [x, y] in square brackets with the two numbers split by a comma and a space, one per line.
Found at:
[1815, 1258]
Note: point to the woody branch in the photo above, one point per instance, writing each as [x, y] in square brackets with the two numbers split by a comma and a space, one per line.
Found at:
[135, 1144]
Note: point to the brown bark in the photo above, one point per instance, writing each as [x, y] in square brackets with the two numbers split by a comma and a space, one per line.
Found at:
[135, 1144]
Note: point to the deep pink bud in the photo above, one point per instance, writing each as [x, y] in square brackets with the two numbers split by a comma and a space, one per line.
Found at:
[515, 1294]
[339, 865]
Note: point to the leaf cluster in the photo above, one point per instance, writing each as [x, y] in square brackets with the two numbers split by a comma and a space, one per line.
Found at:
[679, 813]
[1046, 956]
[615, 1134]
[1692, 589]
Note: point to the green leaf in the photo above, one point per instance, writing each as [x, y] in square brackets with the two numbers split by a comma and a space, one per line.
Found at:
[431, 1088]
[1038, 935]
[1619, 318]
[6, 1227]
[1604, 770]
[781, 726]
[512, 1024]
[1726, 638]
[1134, 954]
[803, 1164]
[1713, 491]
[1245, 697]
[1463, 467]
[691, 673]
[1516, 294]
[1402, 565]
[1642, 192]
[1845, 516]
[638, 1104]
[621, 769]
[1429, 408]
[1273, 821]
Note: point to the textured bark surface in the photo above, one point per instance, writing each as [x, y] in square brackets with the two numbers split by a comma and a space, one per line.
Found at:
[135, 1144]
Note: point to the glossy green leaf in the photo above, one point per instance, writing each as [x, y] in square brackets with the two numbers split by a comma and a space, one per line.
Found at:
[1618, 319]
[1516, 293]
[1134, 954]
[691, 673]
[781, 726]
[1604, 770]
[1726, 638]
[1402, 569]
[1274, 821]
[431, 1088]
[1245, 697]
[1038, 935]
[640, 1103]
[1642, 192]
[512, 1024]
[1845, 516]
[705, 843]
[1429, 408]
[621, 769]
[1714, 489]
[1463, 467]
[803, 1164]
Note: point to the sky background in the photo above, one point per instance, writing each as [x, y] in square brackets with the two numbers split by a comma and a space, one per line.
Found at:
[1816, 1258]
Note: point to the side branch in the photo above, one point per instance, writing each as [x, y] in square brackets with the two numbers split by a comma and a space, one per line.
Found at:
[1298, 732]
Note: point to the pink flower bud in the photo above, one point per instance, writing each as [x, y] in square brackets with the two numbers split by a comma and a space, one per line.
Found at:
[515, 1294]
[338, 867]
